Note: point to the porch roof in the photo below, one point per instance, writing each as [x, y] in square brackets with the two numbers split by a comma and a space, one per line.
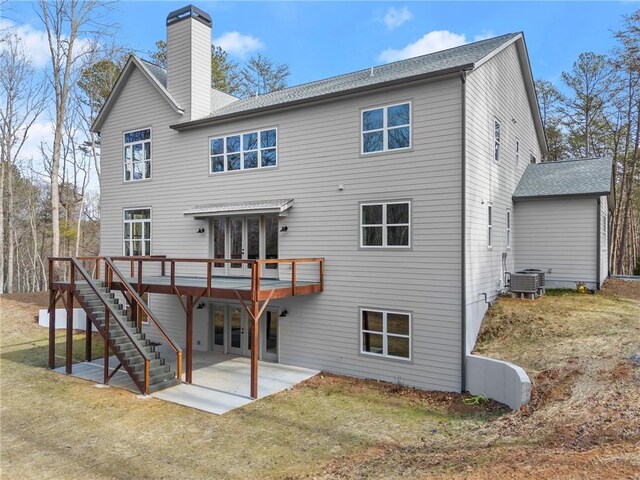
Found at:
[240, 208]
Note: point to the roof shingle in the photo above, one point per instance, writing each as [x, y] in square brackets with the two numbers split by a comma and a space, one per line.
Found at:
[565, 178]
[464, 55]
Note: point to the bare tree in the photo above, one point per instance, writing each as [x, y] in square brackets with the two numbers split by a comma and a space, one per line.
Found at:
[590, 82]
[22, 101]
[73, 32]
[260, 75]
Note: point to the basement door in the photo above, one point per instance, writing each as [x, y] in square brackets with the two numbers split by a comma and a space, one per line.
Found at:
[231, 331]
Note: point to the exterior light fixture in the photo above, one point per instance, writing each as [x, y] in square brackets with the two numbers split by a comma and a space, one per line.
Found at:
[200, 230]
[283, 313]
[284, 228]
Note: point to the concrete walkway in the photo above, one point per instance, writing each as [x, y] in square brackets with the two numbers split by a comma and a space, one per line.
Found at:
[220, 382]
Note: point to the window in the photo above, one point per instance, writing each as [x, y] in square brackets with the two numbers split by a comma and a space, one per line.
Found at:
[137, 232]
[385, 224]
[533, 159]
[137, 155]
[386, 128]
[489, 225]
[385, 333]
[517, 151]
[243, 151]
[496, 140]
[508, 228]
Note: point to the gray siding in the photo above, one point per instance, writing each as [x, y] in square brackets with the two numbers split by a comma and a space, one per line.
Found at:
[318, 149]
[495, 90]
[560, 235]
[604, 238]
[189, 67]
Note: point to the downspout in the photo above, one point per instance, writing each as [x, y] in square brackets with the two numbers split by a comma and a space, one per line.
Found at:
[598, 245]
[463, 282]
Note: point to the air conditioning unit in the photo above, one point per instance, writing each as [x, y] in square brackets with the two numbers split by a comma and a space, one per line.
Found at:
[540, 273]
[522, 282]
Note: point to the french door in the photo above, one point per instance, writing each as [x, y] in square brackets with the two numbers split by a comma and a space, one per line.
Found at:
[232, 331]
[245, 238]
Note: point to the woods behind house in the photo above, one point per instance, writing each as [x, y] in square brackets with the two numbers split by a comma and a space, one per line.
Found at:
[50, 194]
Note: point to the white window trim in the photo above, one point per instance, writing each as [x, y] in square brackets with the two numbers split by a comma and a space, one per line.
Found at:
[241, 152]
[533, 156]
[385, 128]
[490, 226]
[384, 225]
[508, 228]
[124, 164]
[124, 220]
[497, 141]
[517, 151]
[385, 335]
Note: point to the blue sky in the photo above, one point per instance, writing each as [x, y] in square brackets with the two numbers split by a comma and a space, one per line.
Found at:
[321, 39]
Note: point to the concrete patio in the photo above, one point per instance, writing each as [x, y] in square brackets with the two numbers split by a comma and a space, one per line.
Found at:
[221, 383]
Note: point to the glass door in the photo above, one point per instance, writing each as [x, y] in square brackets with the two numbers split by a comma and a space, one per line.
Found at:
[269, 330]
[232, 332]
[245, 238]
[236, 242]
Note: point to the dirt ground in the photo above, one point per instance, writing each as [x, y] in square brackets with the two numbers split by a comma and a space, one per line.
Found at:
[583, 420]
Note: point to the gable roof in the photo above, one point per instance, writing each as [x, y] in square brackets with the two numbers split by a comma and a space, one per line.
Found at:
[452, 60]
[590, 177]
[157, 77]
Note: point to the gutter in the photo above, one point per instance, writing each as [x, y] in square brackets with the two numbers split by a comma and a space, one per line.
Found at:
[293, 103]
[570, 195]
[463, 228]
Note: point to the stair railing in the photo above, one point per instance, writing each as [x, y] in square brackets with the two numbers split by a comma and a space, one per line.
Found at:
[110, 270]
[110, 311]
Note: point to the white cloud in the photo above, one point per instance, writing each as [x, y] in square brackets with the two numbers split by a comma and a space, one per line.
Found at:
[40, 132]
[36, 44]
[484, 35]
[393, 18]
[35, 41]
[235, 43]
[430, 42]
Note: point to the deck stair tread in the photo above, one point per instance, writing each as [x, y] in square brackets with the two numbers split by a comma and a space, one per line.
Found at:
[121, 331]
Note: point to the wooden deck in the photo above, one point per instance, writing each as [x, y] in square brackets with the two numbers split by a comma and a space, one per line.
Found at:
[182, 278]
[221, 286]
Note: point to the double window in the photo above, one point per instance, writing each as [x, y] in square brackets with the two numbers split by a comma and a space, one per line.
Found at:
[137, 155]
[386, 128]
[385, 333]
[385, 224]
[137, 232]
[244, 151]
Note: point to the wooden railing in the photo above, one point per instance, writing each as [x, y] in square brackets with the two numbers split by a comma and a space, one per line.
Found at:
[109, 312]
[136, 265]
[110, 270]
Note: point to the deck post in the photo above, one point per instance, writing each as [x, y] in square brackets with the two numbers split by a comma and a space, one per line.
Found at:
[69, 349]
[88, 340]
[52, 327]
[189, 338]
[255, 345]
[106, 347]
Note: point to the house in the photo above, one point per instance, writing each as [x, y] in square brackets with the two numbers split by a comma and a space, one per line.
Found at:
[400, 177]
[563, 217]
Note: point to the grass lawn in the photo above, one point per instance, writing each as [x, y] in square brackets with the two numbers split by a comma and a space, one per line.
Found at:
[584, 418]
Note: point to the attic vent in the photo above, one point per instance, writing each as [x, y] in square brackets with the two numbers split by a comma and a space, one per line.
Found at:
[190, 11]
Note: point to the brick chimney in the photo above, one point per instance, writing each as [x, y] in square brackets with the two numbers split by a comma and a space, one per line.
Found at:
[189, 60]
